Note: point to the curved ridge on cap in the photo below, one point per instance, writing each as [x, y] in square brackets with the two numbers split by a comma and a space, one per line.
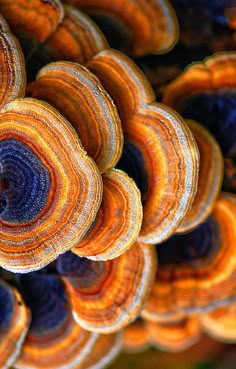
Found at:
[118, 221]
[147, 26]
[78, 95]
[161, 140]
[49, 31]
[136, 337]
[13, 78]
[205, 92]
[215, 73]
[33, 167]
[220, 323]
[210, 178]
[42, 16]
[105, 350]
[77, 38]
[54, 340]
[176, 336]
[14, 324]
[197, 275]
[106, 296]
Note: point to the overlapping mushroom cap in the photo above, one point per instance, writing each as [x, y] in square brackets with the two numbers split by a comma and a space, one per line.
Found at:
[136, 337]
[196, 270]
[206, 92]
[160, 152]
[55, 32]
[37, 181]
[12, 65]
[118, 220]
[187, 161]
[80, 97]
[54, 333]
[38, 219]
[174, 336]
[35, 20]
[14, 323]
[221, 323]
[210, 178]
[108, 295]
[51, 191]
[42, 158]
[136, 27]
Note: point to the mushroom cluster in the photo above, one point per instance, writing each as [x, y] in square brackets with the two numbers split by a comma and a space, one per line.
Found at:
[100, 182]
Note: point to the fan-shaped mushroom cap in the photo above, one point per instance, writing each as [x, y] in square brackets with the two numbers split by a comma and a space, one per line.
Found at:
[118, 220]
[206, 92]
[196, 270]
[157, 139]
[55, 340]
[77, 38]
[12, 84]
[33, 20]
[108, 295]
[136, 337]
[145, 26]
[176, 336]
[79, 96]
[123, 80]
[50, 189]
[210, 178]
[213, 74]
[106, 348]
[221, 323]
[14, 324]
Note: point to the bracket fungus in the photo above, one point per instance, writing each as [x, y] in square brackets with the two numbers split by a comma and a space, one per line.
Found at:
[136, 337]
[78, 95]
[206, 92]
[53, 332]
[106, 348]
[32, 21]
[77, 38]
[172, 336]
[88, 182]
[49, 31]
[106, 296]
[14, 324]
[196, 270]
[12, 84]
[33, 233]
[157, 139]
[175, 336]
[118, 219]
[210, 178]
[220, 323]
[143, 26]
